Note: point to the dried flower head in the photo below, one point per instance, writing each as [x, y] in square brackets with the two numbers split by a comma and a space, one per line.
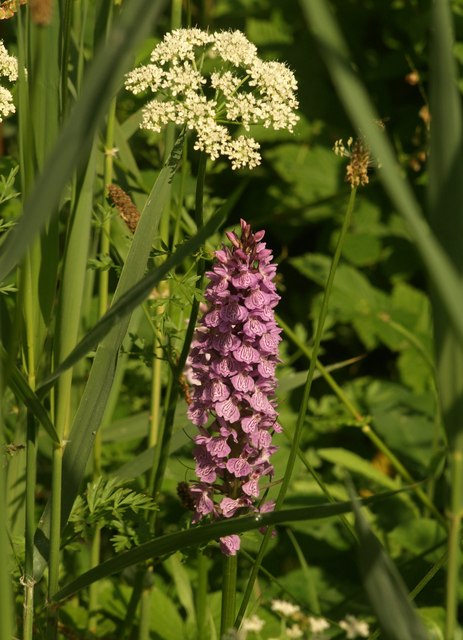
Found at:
[9, 70]
[360, 160]
[124, 204]
[209, 81]
[232, 360]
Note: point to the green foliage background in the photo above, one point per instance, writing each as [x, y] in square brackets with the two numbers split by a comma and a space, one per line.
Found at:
[377, 340]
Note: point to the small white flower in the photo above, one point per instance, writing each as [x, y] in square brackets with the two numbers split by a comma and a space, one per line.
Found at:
[8, 64]
[285, 608]
[294, 632]
[317, 625]
[234, 47]
[9, 70]
[254, 623]
[354, 627]
[247, 90]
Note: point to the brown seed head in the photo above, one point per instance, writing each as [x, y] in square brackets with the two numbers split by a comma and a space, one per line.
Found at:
[124, 204]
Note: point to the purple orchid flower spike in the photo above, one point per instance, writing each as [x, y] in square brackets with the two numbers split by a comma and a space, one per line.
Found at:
[232, 365]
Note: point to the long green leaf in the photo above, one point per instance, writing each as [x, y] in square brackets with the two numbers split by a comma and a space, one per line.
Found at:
[200, 535]
[362, 113]
[384, 586]
[74, 141]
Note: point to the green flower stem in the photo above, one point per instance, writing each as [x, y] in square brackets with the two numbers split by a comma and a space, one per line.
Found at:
[155, 403]
[201, 597]
[31, 469]
[6, 599]
[162, 452]
[103, 304]
[145, 610]
[437, 566]
[304, 404]
[125, 631]
[31, 453]
[181, 193]
[454, 549]
[55, 536]
[230, 565]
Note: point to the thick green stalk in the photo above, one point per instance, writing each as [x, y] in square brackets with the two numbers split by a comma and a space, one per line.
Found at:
[230, 565]
[55, 536]
[454, 542]
[6, 599]
[31, 470]
[304, 403]
[30, 323]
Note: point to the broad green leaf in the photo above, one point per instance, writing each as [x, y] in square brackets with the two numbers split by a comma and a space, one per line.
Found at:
[386, 591]
[165, 620]
[418, 536]
[405, 420]
[354, 463]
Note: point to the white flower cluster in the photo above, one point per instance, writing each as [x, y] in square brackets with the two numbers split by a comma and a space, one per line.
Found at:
[8, 69]
[240, 89]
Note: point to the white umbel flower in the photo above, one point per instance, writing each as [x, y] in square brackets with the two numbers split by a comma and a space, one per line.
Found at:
[294, 631]
[253, 624]
[239, 89]
[317, 625]
[354, 627]
[285, 608]
[9, 70]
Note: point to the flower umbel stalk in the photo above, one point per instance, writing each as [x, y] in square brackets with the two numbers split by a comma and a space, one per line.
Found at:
[232, 360]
